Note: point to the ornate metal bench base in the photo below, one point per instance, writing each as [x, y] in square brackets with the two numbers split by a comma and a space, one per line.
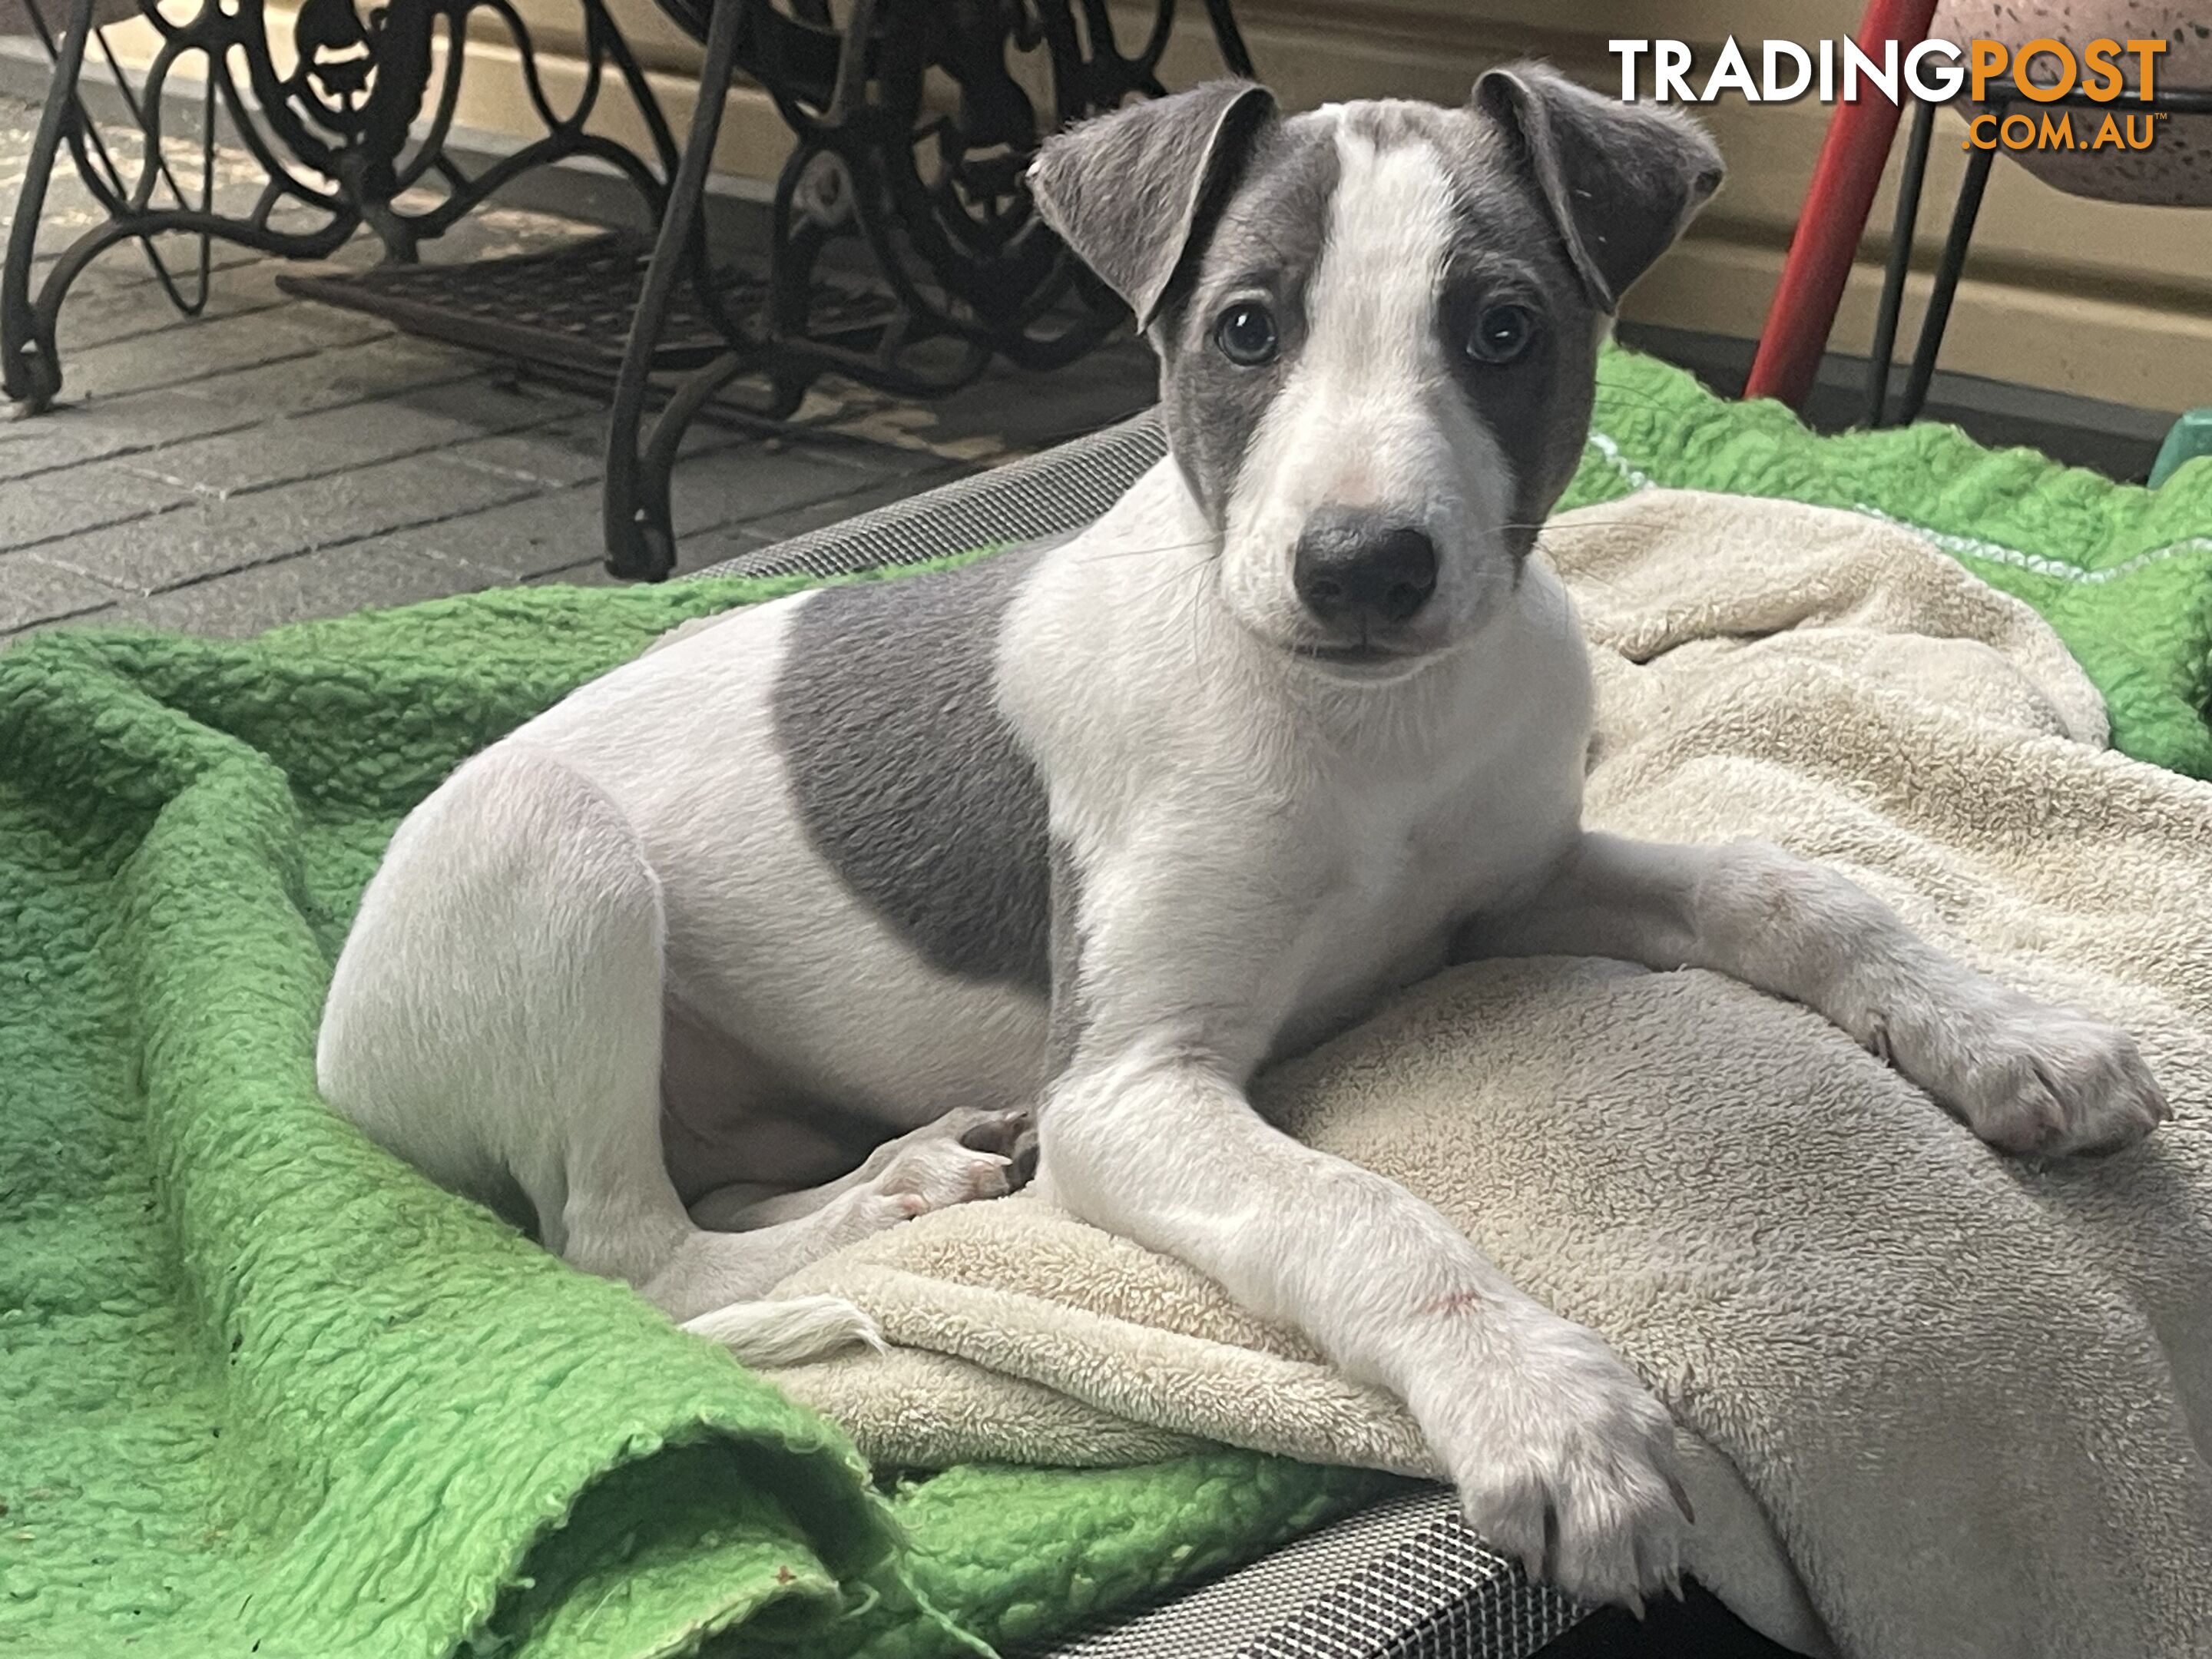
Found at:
[913, 134]
[570, 310]
[913, 130]
[333, 139]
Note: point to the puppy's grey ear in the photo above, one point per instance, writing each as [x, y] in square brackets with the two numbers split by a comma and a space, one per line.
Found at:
[1621, 180]
[1134, 191]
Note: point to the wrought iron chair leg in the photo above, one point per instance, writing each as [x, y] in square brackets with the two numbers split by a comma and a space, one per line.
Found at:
[29, 369]
[641, 542]
[1902, 230]
[1228, 39]
[1947, 283]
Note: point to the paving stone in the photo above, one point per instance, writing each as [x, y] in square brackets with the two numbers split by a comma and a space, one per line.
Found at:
[565, 452]
[749, 483]
[124, 268]
[885, 436]
[71, 436]
[574, 450]
[341, 375]
[374, 367]
[131, 423]
[492, 232]
[32, 591]
[328, 583]
[281, 458]
[560, 530]
[591, 574]
[193, 351]
[979, 423]
[89, 320]
[358, 434]
[499, 233]
[813, 515]
[515, 542]
[209, 537]
[497, 399]
[84, 498]
[530, 539]
[239, 178]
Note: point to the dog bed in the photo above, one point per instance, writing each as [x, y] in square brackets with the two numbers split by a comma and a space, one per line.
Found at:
[1932, 1401]
[263, 1390]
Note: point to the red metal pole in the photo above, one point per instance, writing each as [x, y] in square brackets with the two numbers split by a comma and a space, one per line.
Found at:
[1827, 238]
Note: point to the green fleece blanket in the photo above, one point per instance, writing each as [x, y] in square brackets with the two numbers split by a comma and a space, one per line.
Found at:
[264, 1391]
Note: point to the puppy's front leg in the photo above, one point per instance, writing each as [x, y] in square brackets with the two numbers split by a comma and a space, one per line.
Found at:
[1562, 1457]
[2024, 1077]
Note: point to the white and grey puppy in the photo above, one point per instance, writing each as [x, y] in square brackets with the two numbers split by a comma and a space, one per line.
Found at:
[773, 938]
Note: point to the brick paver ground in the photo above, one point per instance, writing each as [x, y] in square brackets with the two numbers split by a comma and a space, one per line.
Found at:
[276, 458]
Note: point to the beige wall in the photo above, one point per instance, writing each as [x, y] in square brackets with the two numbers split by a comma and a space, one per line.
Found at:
[2077, 296]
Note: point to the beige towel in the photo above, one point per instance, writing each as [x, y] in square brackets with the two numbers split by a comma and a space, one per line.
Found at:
[1934, 1403]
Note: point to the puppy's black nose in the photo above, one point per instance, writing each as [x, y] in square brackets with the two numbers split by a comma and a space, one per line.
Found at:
[1357, 570]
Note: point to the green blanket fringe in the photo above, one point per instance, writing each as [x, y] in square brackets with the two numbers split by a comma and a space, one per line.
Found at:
[264, 1391]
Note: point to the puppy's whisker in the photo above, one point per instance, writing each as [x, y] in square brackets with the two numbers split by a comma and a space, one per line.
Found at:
[1145, 552]
[1192, 573]
[1185, 609]
[1554, 527]
[1191, 602]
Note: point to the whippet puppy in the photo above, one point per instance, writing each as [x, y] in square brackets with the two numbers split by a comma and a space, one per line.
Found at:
[779, 934]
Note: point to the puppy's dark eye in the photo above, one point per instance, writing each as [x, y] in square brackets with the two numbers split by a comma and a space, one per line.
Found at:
[1501, 333]
[1246, 335]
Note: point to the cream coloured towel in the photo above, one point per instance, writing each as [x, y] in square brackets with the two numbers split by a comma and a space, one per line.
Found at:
[1934, 1403]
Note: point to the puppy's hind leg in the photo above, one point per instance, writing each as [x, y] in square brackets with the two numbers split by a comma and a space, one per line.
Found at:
[495, 1019]
[970, 1153]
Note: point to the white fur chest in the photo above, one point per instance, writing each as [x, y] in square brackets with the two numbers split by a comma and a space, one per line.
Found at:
[1254, 833]
[1409, 857]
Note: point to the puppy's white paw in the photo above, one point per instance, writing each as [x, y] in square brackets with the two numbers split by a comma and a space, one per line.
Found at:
[968, 1154]
[942, 1173]
[1564, 1460]
[2026, 1078]
[972, 1128]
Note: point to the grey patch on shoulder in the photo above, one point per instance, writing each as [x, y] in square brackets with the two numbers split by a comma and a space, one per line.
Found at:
[1071, 1008]
[906, 776]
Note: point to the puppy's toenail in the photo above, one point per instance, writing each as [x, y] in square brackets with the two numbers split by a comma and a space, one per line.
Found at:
[1681, 1498]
